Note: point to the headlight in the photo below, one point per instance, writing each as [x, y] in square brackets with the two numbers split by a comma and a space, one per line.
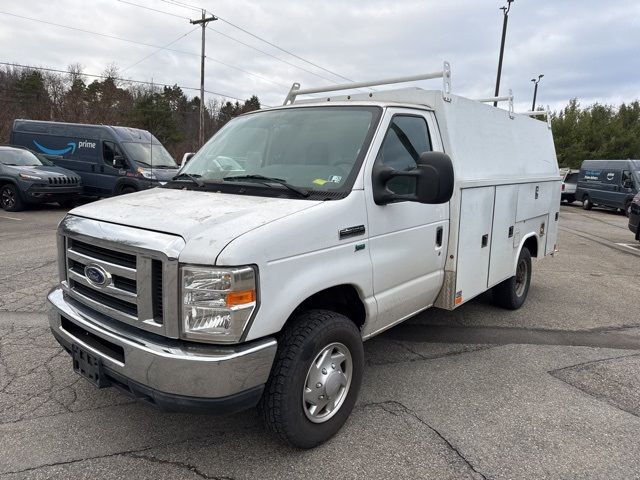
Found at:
[26, 176]
[217, 302]
[146, 173]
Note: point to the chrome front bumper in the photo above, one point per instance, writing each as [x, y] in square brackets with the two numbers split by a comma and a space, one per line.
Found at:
[160, 367]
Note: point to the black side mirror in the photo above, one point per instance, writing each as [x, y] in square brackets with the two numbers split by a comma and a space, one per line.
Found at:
[627, 184]
[434, 180]
[119, 162]
[186, 157]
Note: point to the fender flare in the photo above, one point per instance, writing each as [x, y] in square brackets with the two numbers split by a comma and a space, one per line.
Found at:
[522, 242]
[12, 181]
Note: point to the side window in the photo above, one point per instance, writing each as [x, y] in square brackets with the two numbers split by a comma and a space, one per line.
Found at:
[109, 151]
[627, 180]
[406, 139]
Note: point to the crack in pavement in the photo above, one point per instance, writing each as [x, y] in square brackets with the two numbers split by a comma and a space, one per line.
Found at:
[407, 411]
[421, 357]
[556, 373]
[513, 335]
[191, 468]
[111, 455]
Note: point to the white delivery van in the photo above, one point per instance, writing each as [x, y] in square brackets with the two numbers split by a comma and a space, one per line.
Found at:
[293, 235]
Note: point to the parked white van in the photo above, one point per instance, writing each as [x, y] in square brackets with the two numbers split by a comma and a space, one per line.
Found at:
[340, 218]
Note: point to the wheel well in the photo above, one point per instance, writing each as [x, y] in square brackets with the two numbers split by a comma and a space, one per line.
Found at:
[122, 185]
[531, 244]
[342, 299]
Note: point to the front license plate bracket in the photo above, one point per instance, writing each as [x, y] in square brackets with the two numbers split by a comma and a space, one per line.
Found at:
[89, 366]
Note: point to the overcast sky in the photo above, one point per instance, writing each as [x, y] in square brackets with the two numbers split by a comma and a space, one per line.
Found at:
[585, 48]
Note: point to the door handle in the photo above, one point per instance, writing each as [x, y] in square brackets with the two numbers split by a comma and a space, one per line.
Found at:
[439, 232]
[485, 240]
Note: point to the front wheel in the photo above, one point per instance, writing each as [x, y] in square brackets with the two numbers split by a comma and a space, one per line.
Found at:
[315, 378]
[586, 203]
[512, 293]
[10, 200]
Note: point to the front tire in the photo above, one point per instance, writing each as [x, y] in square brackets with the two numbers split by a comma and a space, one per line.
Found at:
[10, 199]
[315, 379]
[512, 293]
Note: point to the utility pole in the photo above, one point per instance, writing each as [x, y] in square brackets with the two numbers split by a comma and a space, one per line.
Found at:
[535, 91]
[505, 13]
[203, 22]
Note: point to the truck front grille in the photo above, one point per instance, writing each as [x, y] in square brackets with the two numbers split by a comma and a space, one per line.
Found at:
[133, 287]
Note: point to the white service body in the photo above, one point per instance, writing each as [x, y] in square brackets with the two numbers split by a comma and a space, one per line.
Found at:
[506, 195]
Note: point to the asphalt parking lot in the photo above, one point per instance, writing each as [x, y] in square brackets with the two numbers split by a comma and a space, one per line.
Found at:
[549, 391]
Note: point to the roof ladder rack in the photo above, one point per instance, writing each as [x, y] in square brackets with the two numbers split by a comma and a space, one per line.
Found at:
[445, 74]
[539, 113]
[504, 98]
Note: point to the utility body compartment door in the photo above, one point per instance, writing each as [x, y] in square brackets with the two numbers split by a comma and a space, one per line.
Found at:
[474, 242]
[503, 250]
[534, 199]
[552, 222]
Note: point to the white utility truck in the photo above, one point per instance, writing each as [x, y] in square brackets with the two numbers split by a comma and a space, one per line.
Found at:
[296, 233]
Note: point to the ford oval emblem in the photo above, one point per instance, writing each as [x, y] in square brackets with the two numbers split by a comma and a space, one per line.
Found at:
[97, 275]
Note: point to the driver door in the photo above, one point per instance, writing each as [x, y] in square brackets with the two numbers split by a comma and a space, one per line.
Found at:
[407, 240]
[108, 175]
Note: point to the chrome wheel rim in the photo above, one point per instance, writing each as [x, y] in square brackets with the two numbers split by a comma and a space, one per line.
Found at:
[8, 199]
[327, 383]
[521, 277]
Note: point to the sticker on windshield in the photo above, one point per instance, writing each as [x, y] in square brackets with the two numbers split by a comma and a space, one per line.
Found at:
[335, 179]
[319, 181]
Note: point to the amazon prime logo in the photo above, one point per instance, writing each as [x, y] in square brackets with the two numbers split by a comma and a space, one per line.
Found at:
[69, 148]
[97, 276]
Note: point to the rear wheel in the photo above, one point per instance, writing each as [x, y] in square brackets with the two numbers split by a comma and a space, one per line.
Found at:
[586, 203]
[512, 293]
[10, 200]
[125, 190]
[315, 378]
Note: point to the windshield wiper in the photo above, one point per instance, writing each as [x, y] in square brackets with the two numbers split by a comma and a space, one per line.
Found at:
[265, 180]
[193, 178]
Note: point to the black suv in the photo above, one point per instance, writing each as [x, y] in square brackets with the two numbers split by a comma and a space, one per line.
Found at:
[26, 179]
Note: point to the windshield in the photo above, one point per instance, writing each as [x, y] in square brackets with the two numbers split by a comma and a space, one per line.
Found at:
[315, 148]
[22, 158]
[155, 155]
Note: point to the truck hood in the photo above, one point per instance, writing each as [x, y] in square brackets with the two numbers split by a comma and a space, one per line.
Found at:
[215, 218]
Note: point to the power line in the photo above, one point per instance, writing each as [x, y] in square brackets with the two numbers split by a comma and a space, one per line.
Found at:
[126, 80]
[97, 33]
[153, 9]
[269, 54]
[159, 49]
[183, 5]
[284, 50]
[194, 8]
